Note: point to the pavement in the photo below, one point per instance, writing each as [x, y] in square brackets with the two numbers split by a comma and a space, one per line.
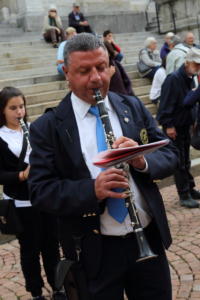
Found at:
[184, 254]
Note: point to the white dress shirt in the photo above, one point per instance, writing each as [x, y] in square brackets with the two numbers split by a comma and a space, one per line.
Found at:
[14, 139]
[87, 132]
[158, 80]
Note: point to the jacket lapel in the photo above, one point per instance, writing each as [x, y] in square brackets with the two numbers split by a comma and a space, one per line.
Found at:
[128, 125]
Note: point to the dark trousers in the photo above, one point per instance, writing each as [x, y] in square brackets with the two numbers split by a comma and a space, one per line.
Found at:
[119, 271]
[80, 29]
[53, 36]
[38, 237]
[183, 178]
[151, 74]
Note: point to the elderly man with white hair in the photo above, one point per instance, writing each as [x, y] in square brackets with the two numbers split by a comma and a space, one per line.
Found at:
[150, 57]
[177, 119]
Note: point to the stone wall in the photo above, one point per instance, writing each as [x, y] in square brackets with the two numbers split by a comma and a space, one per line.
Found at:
[186, 12]
[118, 15]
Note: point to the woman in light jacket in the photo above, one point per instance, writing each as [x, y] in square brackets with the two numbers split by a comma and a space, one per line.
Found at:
[52, 29]
[150, 57]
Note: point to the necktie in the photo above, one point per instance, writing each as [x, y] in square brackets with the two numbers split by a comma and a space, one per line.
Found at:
[116, 207]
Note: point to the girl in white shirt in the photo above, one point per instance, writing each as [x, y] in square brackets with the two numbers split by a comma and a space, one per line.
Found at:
[39, 229]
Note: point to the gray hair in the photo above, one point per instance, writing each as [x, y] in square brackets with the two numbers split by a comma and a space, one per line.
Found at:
[175, 40]
[81, 42]
[169, 35]
[149, 40]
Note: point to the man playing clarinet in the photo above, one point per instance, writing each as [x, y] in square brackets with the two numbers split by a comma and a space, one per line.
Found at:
[95, 224]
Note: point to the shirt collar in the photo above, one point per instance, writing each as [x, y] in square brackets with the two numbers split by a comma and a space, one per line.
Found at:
[7, 129]
[81, 107]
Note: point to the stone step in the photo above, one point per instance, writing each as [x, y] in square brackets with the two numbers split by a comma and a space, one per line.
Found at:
[40, 98]
[28, 66]
[18, 79]
[145, 99]
[43, 87]
[140, 82]
[32, 52]
[142, 90]
[28, 73]
[32, 80]
[39, 109]
[22, 45]
[27, 60]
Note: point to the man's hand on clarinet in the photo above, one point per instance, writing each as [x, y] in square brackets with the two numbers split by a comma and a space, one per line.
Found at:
[108, 180]
[124, 142]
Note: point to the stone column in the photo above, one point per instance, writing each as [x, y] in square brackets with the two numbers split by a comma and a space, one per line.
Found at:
[30, 14]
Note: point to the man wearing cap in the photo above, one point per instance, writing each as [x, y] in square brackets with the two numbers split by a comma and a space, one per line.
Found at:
[78, 21]
[177, 120]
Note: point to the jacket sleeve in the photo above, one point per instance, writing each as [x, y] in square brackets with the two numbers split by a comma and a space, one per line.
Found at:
[147, 60]
[8, 177]
[73, 22]
[192, 97]
[46, 25]
[59, 22]
[50, 190]
[168, 100]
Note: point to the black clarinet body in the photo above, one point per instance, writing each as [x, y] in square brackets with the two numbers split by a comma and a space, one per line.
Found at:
[145, 251]
[25, 130]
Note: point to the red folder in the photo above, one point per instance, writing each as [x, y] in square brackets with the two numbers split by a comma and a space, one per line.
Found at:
[112, 157]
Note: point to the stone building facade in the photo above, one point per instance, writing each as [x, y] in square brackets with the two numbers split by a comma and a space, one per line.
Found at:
[117, 15]
[186, 15]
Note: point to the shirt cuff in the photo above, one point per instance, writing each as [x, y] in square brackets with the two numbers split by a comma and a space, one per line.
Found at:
[145, 170]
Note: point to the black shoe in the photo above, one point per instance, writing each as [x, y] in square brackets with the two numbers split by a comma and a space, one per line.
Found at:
[55, 45]
[195, 194]
[59, 295]
[189, 202]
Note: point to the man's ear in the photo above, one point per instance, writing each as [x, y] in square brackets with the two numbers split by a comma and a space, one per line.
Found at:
[65, 70]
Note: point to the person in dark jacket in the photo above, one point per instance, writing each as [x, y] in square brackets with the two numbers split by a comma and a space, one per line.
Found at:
[39, 233]
[64, 142]
[120, 81]
[166, 46]
[177, 120]
[77, 20]
[110, 44]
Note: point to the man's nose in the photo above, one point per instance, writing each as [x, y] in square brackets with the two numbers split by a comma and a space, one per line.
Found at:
[94, 76]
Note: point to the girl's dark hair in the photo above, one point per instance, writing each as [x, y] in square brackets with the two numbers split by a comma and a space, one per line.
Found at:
[5, 95]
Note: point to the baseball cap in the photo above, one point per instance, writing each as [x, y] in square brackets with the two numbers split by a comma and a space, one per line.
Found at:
[76, 4]
[193, 55]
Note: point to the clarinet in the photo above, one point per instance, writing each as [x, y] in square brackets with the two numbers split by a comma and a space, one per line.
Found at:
[25, 130]
[145, 251]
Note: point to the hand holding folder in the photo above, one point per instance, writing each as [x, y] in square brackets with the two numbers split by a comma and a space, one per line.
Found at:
[112, 157]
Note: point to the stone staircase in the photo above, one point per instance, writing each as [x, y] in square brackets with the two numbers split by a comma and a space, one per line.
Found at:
[28, 63]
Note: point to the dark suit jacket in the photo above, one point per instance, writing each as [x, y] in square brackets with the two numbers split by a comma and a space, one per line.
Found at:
[72, 20]
[60, 181]
[9, 174]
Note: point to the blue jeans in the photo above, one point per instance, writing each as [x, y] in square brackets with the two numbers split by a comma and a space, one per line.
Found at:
[119, 57]
[60, 69]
